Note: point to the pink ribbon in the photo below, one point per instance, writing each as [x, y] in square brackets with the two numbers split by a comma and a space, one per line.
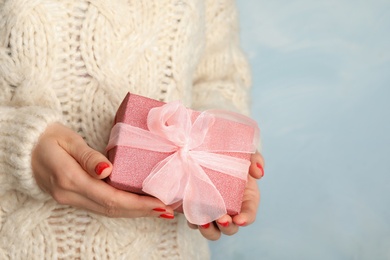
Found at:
[180, 176]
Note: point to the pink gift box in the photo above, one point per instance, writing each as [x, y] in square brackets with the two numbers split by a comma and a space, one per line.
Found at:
[132, 165]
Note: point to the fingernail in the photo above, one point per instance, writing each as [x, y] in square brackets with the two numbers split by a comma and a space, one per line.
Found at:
[167, 216]
[100, 167]
[159, 209]
[205, 225]
[224, 224]
[261, 168]
[242, 224]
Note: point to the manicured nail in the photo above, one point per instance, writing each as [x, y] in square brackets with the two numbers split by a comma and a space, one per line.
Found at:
[100, 167]
[261, 168]
[205, 225]
[159, 209]
[243, 224]
[224, 224]
[167, 216]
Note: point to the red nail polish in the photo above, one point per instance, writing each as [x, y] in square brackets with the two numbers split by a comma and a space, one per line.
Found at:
[167, 216]
[224, 224]
[100, 167]
[205, 225]
[261, 169]
[159, 209]
[242, 224]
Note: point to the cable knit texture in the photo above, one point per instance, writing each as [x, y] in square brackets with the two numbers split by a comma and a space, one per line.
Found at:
[73, 62]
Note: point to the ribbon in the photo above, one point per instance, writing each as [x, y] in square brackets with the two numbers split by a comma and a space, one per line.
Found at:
[180, 176]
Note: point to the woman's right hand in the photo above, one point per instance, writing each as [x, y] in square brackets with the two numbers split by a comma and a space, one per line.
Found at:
[71, 172]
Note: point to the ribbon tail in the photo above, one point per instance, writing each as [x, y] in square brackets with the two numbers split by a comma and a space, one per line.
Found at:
[164, 183]
[202, 202]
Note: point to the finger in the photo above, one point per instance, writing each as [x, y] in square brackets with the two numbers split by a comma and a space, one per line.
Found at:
[115, 203]
[226, 225]
[250, 204]
[93, 162]
[256, 168]
[192, 226]
[121, 203]
[128, 207]
[210, 231]
[111, 202]
[78, 201]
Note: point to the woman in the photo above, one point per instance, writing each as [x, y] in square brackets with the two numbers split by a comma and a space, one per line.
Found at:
[65, 66]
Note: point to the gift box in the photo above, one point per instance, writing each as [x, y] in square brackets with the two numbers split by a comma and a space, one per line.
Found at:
[197, 160]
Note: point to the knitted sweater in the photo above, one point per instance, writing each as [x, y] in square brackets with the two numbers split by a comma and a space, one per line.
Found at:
[73, 62]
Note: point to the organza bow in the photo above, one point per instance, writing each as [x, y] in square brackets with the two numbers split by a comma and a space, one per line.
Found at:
[180, 176]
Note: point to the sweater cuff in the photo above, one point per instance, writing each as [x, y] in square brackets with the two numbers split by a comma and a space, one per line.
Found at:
[20, 129]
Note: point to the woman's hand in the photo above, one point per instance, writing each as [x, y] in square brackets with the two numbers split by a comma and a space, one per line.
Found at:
[70, 171]
[229, 225]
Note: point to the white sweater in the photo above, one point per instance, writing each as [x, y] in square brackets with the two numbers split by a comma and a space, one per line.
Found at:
[73, 62]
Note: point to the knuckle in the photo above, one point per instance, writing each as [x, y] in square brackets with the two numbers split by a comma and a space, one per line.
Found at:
[256, 195]
[86, 157]
[65, 180]
[253, 194]
[74, 138]
[60, 197]
[111, 209]
[70, 140]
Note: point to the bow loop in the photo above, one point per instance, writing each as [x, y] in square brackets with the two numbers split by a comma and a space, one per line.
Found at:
[172, 122]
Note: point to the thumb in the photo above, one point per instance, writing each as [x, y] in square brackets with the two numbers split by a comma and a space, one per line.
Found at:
[92, 161]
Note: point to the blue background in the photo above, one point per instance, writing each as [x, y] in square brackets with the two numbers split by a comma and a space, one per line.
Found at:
[321, 95]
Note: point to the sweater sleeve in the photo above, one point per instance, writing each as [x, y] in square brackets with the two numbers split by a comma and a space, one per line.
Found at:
[26, 109]
[223, 76]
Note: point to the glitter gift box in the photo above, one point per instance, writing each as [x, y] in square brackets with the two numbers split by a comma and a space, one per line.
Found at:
[133, 163]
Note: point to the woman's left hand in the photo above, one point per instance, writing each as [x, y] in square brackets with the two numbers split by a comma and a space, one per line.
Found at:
[229, 225]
